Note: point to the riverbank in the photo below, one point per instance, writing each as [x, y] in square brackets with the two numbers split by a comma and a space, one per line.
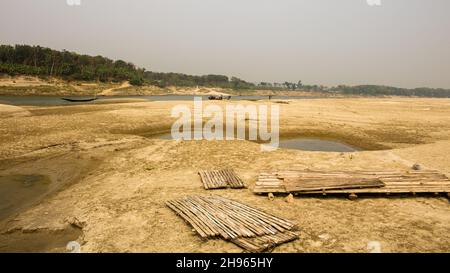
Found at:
[111, 182]
[34, 86]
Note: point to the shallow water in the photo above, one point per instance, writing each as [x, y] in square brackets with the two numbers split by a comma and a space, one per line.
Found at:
[313, 144]
[304, 144]
[18, 190]
[56, 100]
[38, 241]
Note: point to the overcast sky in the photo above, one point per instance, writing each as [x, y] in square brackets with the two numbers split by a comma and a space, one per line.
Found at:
[402, 43]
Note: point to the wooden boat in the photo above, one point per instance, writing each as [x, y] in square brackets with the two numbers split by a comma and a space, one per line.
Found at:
[219, 97]
[79, 100]
[215, 98]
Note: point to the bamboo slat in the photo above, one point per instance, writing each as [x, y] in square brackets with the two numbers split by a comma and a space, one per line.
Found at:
[266, 242]
[250, 228]
[213, 216]
[219, 179]
[328, 183]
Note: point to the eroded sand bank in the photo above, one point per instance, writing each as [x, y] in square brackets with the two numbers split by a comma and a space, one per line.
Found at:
[112, 182]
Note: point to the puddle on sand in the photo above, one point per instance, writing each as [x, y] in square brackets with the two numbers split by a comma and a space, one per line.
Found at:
[304, 144]
[38, 241]
[318, 145]
[19, 190]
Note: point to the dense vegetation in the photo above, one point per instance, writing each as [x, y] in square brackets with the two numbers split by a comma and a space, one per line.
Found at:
[45, 62]
[377, 90]
[40, 61]
[178, 79]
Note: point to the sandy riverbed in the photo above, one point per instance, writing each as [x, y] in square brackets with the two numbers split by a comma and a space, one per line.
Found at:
[112, 182]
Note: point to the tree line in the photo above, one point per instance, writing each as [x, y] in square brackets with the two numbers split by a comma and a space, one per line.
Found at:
[41, 61]
[378, 90]
[178, 79]
[45, 62]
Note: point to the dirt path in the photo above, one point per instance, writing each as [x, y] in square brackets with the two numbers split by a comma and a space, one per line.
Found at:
[110, 91]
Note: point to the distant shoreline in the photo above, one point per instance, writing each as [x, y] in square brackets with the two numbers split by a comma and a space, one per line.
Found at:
[34, 86]
[56, 87]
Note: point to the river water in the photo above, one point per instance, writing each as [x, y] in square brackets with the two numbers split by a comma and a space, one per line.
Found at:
[56, 100]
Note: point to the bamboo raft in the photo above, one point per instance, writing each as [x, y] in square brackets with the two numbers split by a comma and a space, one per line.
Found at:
[304, 184]
[214, 216]
[218, 179]
[298, 182]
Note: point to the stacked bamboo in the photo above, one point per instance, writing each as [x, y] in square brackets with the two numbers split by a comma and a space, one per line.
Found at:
[321, 184]
[215, 216]
[302, 181]
[313, 182]
[269, 182]
[217, 179]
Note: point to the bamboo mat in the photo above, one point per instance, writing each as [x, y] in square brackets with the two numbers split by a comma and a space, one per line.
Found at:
[217, 179]
[250, 228]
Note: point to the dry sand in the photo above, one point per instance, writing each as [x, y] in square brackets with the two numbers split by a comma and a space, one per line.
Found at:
[22, 81]
[112, 182]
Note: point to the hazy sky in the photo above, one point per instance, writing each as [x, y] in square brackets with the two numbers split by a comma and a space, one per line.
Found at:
[403, 43]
